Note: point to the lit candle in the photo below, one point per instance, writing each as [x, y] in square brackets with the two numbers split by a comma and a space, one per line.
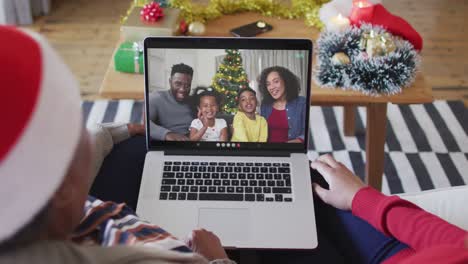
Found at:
[338, 23]
[362, 10]
[361, 3]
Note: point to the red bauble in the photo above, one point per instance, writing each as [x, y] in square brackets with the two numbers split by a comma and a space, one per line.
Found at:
[378, 15]
[151, 12]
[183, 27]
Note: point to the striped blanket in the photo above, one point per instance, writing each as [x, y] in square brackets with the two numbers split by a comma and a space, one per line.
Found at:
[109, 224]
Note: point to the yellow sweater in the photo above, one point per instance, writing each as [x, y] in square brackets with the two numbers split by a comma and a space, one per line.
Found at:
[248, 130]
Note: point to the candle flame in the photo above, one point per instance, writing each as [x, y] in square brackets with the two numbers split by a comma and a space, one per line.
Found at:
[362, 4]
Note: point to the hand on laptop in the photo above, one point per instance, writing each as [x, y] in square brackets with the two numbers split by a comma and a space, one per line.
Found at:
[343, 183]
[207, 244]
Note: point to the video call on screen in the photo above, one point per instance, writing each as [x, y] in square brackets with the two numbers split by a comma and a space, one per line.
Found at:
[227, 95]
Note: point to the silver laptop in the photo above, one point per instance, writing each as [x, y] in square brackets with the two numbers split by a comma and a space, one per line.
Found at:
[254, 192]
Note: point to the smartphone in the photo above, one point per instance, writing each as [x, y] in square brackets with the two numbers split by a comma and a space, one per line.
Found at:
[252, 29]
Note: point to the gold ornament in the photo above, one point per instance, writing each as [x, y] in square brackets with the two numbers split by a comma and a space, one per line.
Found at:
[340, 58]
[377, 44]
[302, 9]
[196, 28]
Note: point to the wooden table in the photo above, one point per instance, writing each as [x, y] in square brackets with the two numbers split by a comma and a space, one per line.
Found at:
[131, 86]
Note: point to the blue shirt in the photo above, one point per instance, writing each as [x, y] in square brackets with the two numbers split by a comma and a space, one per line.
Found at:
[296, 112]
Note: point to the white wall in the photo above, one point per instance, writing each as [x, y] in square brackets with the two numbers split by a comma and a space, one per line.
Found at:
[202, 62]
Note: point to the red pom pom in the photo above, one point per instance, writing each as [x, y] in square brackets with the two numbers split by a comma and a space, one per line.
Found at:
[151, 12]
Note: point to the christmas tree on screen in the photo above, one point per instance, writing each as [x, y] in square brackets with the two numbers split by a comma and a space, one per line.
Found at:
[229, 78]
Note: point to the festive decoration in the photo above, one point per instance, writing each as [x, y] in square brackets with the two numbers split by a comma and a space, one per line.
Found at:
[379, 16]
[134, 29]
[376, 44]
[229, 78]
[340, 58]
[151, 12]
[129, 57]
[141, 3]
[183, 27]
[335, 7]
[196, 28]
[362, 3]
[338, 23]
[302, 9]
[386, 74]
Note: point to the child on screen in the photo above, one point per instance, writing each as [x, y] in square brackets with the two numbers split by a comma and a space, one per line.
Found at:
[248, 125]
[207, 127]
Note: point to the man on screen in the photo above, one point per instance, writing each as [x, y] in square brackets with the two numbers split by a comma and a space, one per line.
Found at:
[169, 111]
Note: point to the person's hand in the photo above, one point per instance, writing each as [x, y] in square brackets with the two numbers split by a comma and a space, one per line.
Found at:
[136, 129]
[171, 136]
[343, 183]
[206, 244]
[202, 118]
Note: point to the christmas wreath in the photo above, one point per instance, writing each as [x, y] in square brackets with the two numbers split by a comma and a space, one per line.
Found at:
[367, 59]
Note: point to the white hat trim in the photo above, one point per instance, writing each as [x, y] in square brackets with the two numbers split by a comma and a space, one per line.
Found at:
[32, 176]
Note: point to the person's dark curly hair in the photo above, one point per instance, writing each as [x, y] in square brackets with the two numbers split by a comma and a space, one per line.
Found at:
[205, 91]
[181, 68]
[291, 83]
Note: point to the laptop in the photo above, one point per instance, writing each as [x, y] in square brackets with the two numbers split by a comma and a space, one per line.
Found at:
[251, 194]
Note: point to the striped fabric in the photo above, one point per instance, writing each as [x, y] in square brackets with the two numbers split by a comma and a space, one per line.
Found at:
[109, 224]
[426, 145]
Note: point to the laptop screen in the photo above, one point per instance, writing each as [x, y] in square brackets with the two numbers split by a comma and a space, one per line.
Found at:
[227, 94]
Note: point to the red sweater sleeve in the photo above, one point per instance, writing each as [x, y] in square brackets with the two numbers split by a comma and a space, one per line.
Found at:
[405, 221]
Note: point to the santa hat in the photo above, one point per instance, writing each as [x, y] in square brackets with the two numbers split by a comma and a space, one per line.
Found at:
[41, 126]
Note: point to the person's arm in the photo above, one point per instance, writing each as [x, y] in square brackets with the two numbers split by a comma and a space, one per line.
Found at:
[263, 129]
[240, 133]
[197, 134]
[390, 214]
[197, 130]
[405, 221]
[302, 116]
[105, 136]
[223, 133]
[157, 132]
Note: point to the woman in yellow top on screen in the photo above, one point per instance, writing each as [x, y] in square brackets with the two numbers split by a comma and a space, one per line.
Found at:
[248, 125]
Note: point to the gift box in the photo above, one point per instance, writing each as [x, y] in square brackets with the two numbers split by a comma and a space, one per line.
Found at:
[129, 57]
[135, 29]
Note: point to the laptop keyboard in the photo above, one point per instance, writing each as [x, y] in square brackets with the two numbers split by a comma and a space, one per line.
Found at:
[226, 181]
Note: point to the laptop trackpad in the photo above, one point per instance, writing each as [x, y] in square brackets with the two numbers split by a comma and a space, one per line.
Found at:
[229, 224]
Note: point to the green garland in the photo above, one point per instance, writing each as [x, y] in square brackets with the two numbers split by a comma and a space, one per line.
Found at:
[380, 75]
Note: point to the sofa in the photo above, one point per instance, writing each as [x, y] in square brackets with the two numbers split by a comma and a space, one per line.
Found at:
[451, 204]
